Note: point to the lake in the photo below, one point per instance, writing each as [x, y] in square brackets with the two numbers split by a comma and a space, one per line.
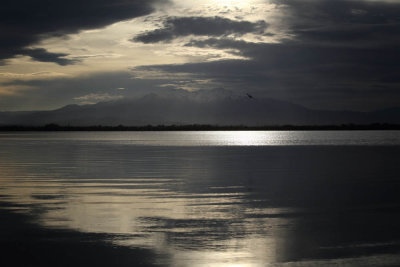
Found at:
[217, 198]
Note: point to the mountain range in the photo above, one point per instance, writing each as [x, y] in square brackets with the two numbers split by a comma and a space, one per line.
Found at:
[215, 107]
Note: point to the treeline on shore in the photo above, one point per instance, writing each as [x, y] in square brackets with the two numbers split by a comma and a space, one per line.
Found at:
[201, 127]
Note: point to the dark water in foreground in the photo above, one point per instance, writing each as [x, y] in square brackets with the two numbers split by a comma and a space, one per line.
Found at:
[202, 198]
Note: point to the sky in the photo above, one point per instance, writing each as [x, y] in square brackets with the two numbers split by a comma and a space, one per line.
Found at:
[322, 54]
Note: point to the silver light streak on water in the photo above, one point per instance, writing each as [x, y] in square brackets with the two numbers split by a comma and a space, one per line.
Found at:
[216, 198]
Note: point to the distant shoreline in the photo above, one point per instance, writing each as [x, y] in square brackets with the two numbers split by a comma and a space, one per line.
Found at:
[201, 127]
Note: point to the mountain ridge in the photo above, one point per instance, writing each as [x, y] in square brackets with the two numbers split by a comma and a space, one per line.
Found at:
[179, 108]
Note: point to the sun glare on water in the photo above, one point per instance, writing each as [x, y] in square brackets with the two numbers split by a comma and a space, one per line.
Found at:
[244, 138]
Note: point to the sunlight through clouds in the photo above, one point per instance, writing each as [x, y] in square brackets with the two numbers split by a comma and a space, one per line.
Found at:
[259, 46]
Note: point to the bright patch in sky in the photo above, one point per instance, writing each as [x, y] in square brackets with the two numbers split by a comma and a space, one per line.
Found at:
[231, 3]
[109, 48]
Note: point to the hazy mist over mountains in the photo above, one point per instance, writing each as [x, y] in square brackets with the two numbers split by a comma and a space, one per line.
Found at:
[216, 107]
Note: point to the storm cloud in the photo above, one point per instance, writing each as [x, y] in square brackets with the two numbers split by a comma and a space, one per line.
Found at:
[24, 22]
[174, 27]
[343, 22]
[335, 54]
[42, 55]
[310, 74]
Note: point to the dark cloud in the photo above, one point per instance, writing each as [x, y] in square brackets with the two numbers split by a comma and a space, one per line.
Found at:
[220, 43]
[174, 27]
[341, 54]
[296, 55]
[343, 22]
[313, 75]
[42, 55]
[25, 22]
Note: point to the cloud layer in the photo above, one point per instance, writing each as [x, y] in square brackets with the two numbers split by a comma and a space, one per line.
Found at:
[341, 54]
[343, 22]
[334, 54]
[42, 55]
[24, 22]
[174, 27]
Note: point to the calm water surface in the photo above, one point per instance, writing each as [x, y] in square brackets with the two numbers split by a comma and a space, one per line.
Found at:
[255, 198]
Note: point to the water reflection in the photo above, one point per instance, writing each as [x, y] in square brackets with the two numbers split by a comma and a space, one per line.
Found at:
[216, 138]
[219, 206]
